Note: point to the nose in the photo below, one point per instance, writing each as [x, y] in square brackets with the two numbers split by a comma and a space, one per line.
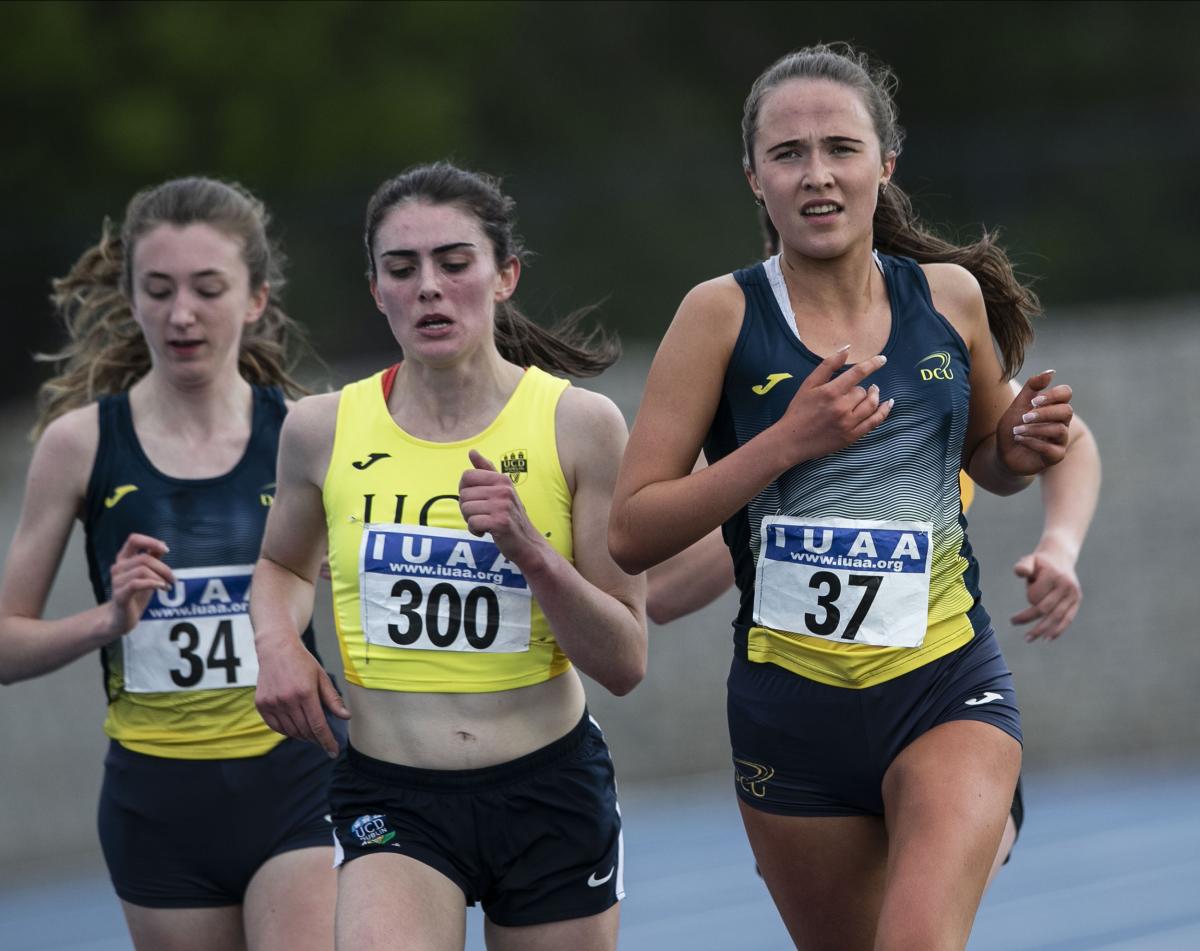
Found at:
[817, 174]
[183, 310]
[430, 289]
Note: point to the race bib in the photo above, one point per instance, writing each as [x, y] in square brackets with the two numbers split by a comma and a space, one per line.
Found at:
[850, 580]
[441, 589]
[197, 636]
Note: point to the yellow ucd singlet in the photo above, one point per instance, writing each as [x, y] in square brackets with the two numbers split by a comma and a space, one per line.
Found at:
[420, 603]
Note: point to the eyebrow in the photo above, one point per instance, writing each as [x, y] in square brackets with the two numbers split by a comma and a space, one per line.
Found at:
[830, 139]
[440, 249]
[207, 272]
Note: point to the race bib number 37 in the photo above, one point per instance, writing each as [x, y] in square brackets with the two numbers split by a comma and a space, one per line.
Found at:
[197, 636]
[441, 589]
[850, 580]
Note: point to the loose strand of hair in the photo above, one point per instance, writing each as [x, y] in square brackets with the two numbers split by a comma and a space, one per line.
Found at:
[1011, 305]
[565, 348]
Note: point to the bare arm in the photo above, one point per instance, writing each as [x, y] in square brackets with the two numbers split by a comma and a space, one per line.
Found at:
[292, 689]
[686, 582]
[596, 611]
[54, 493]
[660, 506]
[1070, 492]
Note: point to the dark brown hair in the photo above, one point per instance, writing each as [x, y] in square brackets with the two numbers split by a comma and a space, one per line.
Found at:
[1011, 305]
[565, 348]
[106, 352]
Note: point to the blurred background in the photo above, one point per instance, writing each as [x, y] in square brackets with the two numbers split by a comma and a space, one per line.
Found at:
[1074, 126]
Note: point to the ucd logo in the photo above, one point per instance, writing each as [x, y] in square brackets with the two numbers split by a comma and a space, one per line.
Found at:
[941, 368]
[372, 830]
[515, 465]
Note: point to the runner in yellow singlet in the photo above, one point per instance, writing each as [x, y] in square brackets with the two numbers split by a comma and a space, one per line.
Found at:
[464, 493]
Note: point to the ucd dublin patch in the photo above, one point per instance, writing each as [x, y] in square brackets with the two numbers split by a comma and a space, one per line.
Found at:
[515, 465]
[845, 579]
[372, 830]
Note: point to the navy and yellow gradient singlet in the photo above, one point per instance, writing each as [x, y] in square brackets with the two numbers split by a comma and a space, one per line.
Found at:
[854, 567]
[420, 603]
[181, 683]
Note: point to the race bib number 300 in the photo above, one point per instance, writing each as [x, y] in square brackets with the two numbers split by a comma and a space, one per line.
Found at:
[441, 589]
[849, 580]
[197, 636]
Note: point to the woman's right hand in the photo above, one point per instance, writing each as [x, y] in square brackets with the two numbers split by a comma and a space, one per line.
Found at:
[135, 575]
[829, 413]
[293, 693]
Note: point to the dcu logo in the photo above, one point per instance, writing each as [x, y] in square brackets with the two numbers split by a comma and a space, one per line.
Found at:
[515, 465]
[938, 367]
[371, 830]
[753, 777]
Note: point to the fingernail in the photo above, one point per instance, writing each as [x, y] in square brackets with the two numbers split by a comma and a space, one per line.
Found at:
[892, 402]
[1017, 430]
[882, 359]
[843, 348]
[1029, 418]
[1037, 401]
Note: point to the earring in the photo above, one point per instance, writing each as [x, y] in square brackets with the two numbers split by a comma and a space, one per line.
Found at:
[758, 201]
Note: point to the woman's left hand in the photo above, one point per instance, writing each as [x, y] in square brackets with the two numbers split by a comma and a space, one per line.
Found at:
[489, 503]
[1032, 433]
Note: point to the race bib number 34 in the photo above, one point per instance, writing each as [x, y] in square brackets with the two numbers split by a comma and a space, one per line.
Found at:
[197, 636]
[850, 580]
[441, 589]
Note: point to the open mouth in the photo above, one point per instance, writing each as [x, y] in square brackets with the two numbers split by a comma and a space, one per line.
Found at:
[820, 209]
[433, 322]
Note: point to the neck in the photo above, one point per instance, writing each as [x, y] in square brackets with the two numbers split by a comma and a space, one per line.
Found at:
[452, 402]
[842, 288]
[195, 408]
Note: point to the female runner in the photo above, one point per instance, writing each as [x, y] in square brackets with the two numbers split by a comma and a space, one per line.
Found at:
[160, 436]
[874, 726]
[465, 493]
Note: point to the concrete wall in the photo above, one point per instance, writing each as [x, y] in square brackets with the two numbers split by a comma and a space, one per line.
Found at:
[1121, 682]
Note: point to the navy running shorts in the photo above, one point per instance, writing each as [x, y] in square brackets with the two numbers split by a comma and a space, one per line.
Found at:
[804, 748]
[180, 833]
[533, 840]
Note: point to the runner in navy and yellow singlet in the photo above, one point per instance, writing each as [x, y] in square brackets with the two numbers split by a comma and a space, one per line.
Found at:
[464, 493]
[866, 680]
[160, 435]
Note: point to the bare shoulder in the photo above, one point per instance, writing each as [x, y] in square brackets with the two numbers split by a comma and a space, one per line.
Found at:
[718, 300]
[313, 416]
[72, 439]
[958, 297]
[590, 432]
[583, 409]
[306, 441]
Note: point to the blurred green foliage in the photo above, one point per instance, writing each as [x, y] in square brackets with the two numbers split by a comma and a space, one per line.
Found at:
[1076, 126]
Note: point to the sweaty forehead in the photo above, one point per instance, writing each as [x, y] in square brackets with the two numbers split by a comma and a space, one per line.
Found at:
[804, 108]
